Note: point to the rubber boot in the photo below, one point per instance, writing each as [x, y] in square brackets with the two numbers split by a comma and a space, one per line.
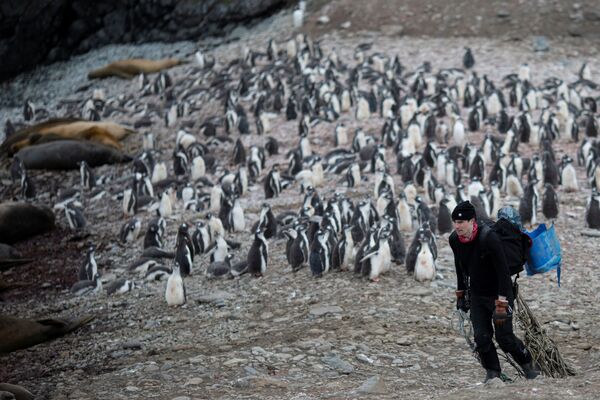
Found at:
[491, 374]
[530, 370]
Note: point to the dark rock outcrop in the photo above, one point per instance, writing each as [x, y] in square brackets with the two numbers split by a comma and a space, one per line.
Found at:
[38, 31]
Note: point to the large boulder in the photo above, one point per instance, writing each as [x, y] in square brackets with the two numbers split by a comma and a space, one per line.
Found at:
[38, 31]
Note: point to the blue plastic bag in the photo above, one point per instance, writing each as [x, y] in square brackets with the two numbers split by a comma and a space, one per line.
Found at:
[544, 254]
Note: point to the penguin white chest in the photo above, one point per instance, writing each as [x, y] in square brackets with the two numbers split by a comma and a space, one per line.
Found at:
[425, 265]
[362, 110]
[175, 293]
[239, 223]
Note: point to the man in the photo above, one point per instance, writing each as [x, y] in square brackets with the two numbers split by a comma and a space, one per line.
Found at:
[484, 287]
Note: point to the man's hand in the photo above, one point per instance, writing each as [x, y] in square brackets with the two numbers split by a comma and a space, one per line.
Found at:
[461, 301]
[501, 313]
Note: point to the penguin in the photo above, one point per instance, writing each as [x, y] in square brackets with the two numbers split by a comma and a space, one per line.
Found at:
[267, 221]
[406, 223]
[184, 251]
[272, 145]
[180, 163]
[383, 182]
[258, 254]
[341, 135]
[468, 59]
[343, 252]
[142, 265]
[297, 17]
[353, 175]
[219, 250]
[159, 172]
[494, 199]
[215, 226]
[513, 185]
[549, 202]
[75, 217]
[568, 175]
[550, 170]
[362, 112]
[175, 291]
[84, 287]
[88, 180]
[89, 268]
[130, 230]
[239, 152]
[377, 259]
[592, 210]
[299, 249]
[272, 184]
[528, 204]
[201, 238]
[119, 286]
[219, 269]
[290, 109]
[320, 254]
[235, 218]
[444, 221]
[453, 174]
[153, 237]
[28, 190]
[165, 207]
[425, 268]
[157, 273]
[17, 170]
[28, 110]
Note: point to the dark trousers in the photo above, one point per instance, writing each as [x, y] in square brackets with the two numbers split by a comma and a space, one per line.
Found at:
[482, 309]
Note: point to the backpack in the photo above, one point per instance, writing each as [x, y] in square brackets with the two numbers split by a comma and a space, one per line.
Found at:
[516, 244]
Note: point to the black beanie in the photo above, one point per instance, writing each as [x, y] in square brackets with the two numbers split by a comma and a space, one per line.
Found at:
[464, 211]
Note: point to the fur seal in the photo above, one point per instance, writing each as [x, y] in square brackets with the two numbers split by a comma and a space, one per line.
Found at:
[19, 221]
[67, 154]
[18, 333]
[108, 133]
[128, 69]
[9, 256]
[18, 392]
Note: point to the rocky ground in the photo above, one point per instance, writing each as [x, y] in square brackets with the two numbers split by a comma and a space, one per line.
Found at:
[285, 335]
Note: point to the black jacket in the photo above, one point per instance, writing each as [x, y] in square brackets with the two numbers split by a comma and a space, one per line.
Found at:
[483, 263]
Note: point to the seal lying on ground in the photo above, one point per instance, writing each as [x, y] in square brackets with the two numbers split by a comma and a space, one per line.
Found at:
[18, 392]
[9, 256]
[128, 69]
[67, 154]
[18, 333]
[20, 221]
[108, 133]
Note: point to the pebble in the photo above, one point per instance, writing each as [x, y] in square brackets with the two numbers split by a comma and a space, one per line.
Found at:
[540, 43]
[364, 358]
[193, 382]
[338, 364]
[373, 385]
[323, 20]
[324, 310]
[132, 345]
[234, 361]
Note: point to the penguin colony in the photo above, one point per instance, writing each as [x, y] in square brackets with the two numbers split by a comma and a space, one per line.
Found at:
[445, 136]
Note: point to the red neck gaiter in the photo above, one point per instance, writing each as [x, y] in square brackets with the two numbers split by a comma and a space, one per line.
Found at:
[464, 239]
